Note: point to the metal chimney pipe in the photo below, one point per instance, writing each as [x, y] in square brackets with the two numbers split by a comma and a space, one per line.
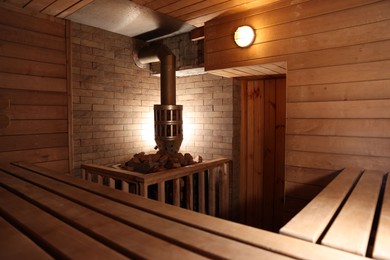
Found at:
[162, 54]
[168, 130]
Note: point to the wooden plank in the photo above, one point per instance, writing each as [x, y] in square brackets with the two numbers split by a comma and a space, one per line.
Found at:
[258, 117]
[38, 112]
[368, 52]
[153, 178]
[256, 237]
[199, 241]
[25, 142]
[249, 161]
[161, 192]
[283, 13]
[311, 222]
[36, 155]
[30, 82]
[381, 246]
[189, 192]
[351, 229]
[54, 235]
[4, 122]
[351, 72]
[176, 192]
[15, 245]
[25, 97]
[34, 68]
[25, 51]
[269, 153]
[365, 90]
[100, 180]
[112, 183]
[20, 36]
[22, 127]
[340, 109]
[295, 27]
[173, 7]
[58, 6]
[340, 127]
[280, 133]
[318, 177]
[18, 3]
[74, 8]
[212, 178]
[290, 46]
[122, 238]
[202, 192]
[125, 186]
[340, 145]
[69, 97]
[31, 23]
[224, 191]
[38, 5]
[61, 166]
[243, 151]
[335, 161]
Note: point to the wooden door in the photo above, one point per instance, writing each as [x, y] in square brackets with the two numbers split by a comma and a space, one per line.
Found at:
[262, 152]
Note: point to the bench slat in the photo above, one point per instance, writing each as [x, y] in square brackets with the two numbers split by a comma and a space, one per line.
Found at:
[351, 229]
[273, 242]
[196, 240]
[382, 240]
[311, 221]
[62, 240]
[131, 241]
[15, 245]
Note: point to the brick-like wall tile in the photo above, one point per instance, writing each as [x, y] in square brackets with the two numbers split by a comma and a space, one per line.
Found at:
[113, 102]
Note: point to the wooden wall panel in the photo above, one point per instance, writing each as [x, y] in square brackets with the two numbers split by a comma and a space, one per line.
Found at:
[338, 83]
[33, 77]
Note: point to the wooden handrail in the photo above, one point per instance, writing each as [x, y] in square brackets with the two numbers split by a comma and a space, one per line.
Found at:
[216, 171]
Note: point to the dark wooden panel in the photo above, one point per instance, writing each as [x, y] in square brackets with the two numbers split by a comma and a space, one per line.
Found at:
[27, 82]
[24, 97]
[14, 244]
[36, 155]
[25, 127]
[38, 112]
[35, 68]
[27, 52]
[12, 34]
[301, 191]
[27, 142]
[31, 23]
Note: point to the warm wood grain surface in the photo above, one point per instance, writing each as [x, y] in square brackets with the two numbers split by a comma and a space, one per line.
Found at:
[70, 214]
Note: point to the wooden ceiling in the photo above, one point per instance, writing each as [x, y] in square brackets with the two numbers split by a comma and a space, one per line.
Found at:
[194, 12]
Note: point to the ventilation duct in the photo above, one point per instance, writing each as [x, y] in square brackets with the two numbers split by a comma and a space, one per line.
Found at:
[168, 117]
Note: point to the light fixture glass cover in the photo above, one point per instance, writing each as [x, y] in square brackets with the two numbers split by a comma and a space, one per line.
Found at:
[244, 36]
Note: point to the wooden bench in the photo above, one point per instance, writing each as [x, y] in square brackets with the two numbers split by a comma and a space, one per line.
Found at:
[45, 214]
[352, 214]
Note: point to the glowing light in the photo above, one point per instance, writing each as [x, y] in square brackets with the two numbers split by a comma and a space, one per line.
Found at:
[244, 36]
[148, 129]
[188, 131]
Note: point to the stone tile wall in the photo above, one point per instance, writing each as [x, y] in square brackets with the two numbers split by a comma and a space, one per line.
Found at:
[113, 104]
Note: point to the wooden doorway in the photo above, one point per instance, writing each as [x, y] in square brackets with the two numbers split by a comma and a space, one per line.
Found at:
[262, 149]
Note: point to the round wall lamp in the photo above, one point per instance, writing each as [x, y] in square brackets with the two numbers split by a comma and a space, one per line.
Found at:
[244, 36]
